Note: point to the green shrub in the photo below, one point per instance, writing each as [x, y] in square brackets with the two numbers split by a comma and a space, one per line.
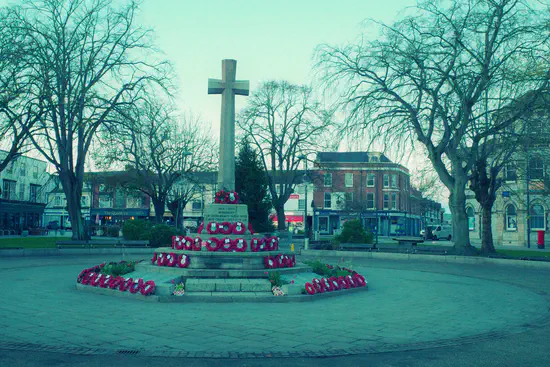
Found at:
[112, 231]
[323, 269]
[115, 269]
[275, 279]
[353, 232]
[160, 235]
[137, 229]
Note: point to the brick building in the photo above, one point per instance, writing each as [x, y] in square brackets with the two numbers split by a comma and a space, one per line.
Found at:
[363, 185]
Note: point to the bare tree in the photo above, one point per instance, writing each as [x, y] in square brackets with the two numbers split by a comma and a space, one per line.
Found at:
[283, 123]
[160, 154]
[19, 107]
[90, 59]
[427, 79]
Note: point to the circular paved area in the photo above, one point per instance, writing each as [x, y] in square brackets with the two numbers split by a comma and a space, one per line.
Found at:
[403, 310]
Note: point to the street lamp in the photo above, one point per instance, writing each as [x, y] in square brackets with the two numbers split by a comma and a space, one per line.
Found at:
[306, 237]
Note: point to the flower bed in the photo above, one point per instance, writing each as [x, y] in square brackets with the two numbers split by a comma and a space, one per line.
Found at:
[344, 278]
[95, 277]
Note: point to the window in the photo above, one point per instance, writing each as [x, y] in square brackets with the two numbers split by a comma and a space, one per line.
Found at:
[349, 198]
[510, 173]
[8, 190]
[197, 205]
[84, 201]
[374, 159]
[471, 218]
[21, 192]
[9, 169]
[57, 200]
[328, 200]
[386, 181]
[23, 169]
[370, 200]
[536, 217]
[348, 178]
[328, 179]
[536, 169]
[386, 201]
[35, 172]
[394, 200]
[371, 179]
[301, 204]
[33, 193]
[511, 218]
[105, 201]
[323, 224]
[394, 181]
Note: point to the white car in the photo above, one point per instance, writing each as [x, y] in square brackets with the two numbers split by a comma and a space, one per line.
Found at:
[444, 231]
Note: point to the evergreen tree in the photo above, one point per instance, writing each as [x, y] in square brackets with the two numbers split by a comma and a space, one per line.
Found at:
[252, 186]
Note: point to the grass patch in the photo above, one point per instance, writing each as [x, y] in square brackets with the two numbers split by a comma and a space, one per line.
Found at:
[523, 253]
[30, 242]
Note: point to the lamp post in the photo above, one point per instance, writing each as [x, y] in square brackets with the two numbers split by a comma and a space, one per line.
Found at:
[306, 237]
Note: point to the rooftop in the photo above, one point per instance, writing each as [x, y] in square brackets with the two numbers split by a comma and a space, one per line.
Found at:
[352, 157]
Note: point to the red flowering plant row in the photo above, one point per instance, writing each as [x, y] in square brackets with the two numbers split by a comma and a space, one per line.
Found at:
[279, 261]
[171, 260]
[225, 228]
[226, 197]
[95, 278]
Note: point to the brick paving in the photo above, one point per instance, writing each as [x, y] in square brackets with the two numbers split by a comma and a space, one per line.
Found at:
[408, 306]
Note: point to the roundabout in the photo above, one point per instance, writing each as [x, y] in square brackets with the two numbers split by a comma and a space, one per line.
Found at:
[403, 310]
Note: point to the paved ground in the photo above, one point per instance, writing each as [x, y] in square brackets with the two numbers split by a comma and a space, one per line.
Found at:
[409, 306]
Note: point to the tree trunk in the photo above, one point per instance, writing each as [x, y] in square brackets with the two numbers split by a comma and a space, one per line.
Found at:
[487, 246]
[281, 224]
[461, 233]
[73, 193]
[159, 210]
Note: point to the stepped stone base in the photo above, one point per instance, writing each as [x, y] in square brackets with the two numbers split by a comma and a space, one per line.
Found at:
[217, 273]
[228, 285]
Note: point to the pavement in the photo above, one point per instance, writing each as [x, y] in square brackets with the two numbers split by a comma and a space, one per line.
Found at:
[415, 313]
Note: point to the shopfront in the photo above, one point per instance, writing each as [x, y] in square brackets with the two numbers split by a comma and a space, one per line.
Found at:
[20, 215]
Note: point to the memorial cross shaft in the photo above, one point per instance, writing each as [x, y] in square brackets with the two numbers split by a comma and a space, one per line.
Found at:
[228, 87]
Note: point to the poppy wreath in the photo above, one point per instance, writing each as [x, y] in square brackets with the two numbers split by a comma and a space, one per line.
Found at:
[219, 198]
[279, 259]
[212, 228]
[329, 285]
[317, 284]
[310, 288]
[148, 288]
[342, 282]
[154, 259]
[183, 261]
[171, 259]
[350, 282]
[87, 277]
[270, 262]
[197, 244]
[115, 282]
[231, 197]
[95, 281]
[104, 281]
[201, 227]
[161, 259]
[187, 243]
[334, 282]
[136, 286]
[212, 244]
[272, 244]
[263, 245]
[225, 228]
[226, 244]
[239, 245]
[176, 242]
[238, 228]
[82, 275]
[359, 280]
[125, 284]
[255, 244]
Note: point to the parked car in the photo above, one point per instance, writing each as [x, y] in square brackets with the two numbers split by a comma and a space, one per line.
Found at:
[442, 232]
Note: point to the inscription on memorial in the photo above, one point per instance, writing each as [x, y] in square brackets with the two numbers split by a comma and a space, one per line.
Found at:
[226, 213]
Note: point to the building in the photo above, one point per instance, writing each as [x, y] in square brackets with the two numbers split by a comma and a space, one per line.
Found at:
[363, 185]
[430, 212]
[22, 196]
[56, 205]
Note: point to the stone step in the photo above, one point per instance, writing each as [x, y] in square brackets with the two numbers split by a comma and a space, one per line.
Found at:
[217, 273]
[228, 285]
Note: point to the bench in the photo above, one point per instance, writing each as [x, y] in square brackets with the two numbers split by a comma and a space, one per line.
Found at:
[408, 242]
[100, 243]
[128, 243]
[357, 246]
[71, 244]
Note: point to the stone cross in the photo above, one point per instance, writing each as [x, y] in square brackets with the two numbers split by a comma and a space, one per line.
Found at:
[227, 87]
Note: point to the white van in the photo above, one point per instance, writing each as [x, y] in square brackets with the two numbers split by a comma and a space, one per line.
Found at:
[443, 231]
